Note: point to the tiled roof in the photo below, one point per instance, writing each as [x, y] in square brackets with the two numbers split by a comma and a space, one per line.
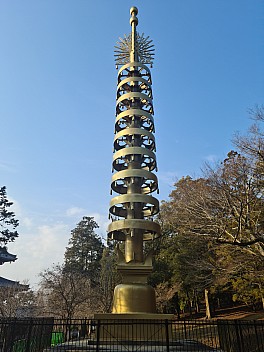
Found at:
[15, 284]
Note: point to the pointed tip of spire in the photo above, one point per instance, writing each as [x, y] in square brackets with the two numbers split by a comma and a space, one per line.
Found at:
[134, 47]
[133, 13]
[133, 10]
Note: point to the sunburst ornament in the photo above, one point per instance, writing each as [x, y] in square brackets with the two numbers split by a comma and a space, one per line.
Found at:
[143, 47]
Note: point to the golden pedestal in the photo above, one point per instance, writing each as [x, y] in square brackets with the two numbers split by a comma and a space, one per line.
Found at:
[134, 316]
[134, 295]
[136, 298]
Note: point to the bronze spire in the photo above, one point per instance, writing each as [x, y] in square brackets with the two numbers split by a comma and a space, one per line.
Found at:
[133, 208]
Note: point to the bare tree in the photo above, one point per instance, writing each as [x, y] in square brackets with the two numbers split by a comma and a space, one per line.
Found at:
[15, 300]
[67, 294]
[226, 206]
[252, 144]
[109, 278]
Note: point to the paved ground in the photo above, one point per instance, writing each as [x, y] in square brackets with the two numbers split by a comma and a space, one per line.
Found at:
[177, 346]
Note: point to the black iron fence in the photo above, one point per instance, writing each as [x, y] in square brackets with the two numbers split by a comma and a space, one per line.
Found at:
[31, 335]
[50, 335]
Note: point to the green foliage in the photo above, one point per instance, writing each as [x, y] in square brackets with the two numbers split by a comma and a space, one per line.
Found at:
[248, 282]
[161, 272]
[84, 284]
[85, 250]
[8, 223]
[183, 268]
[246, 290]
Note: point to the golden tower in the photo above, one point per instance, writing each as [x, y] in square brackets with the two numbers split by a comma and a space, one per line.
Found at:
[133, 207]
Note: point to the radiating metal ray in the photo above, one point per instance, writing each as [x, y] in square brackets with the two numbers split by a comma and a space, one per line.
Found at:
[143, 45]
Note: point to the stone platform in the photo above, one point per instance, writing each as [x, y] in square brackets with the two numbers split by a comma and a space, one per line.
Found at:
[134, 327]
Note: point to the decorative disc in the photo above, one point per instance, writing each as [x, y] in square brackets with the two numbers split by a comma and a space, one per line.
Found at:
[144, 48]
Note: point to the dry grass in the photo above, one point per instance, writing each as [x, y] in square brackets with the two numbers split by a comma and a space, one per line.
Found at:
[238, 313]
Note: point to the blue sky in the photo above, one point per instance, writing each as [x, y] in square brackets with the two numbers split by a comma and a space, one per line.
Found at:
[57, 104]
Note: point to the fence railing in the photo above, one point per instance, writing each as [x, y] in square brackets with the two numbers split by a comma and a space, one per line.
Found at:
[31, 335]
[48, 334]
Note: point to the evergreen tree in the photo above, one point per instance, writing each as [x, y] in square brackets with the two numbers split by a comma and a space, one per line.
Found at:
[85, 250]
[8, 223]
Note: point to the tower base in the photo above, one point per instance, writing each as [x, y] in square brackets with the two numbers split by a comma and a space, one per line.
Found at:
[134, 327]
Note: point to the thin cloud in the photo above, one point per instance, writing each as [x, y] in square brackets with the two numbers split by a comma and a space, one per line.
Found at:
[168, 177]
[212, 158]
[26, 222]
[7, 167]
[37, 250]
[74, 211]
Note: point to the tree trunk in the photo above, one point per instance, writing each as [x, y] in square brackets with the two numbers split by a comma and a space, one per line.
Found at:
[261, 295]
[208, 314]
[196, 301]
[189, 303]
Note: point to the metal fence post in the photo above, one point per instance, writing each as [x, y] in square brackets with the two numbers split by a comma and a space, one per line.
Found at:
[27, 349]
[238, 336]
[98, 335]
[167, 335]
[256, 333]
[185, 330]
[10, 334]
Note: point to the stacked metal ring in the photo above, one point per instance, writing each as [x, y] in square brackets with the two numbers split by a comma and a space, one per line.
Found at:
[134, 157]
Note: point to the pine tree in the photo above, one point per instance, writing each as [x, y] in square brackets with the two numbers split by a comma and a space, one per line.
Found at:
[85, 250]
[8, 223]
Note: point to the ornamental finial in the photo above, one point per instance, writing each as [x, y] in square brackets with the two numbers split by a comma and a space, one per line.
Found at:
[133, 13]
[134, 47]
[134, 23]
